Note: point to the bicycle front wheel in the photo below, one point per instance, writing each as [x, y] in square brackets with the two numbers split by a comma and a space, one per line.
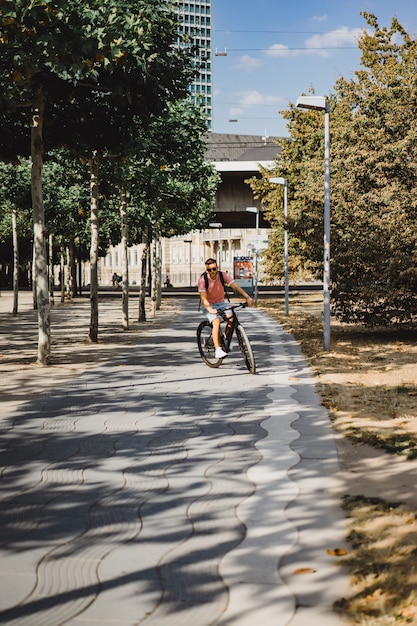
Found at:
[246, 349]
[206, 345]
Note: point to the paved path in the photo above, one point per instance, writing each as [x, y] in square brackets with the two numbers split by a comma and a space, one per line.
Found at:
[155, 490]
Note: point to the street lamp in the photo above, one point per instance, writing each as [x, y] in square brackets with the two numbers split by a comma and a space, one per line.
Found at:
[319, 103]
[254, 209]
[190, 241]
[283, 181]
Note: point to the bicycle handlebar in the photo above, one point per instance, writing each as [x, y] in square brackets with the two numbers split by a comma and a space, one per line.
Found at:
[232, 307]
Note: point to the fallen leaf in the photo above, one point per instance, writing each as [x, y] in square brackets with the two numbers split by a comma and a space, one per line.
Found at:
[337, 552]
[304, 570]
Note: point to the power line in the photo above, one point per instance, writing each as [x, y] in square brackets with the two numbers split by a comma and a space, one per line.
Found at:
[247, 104]
[286, 49]
[281, 32]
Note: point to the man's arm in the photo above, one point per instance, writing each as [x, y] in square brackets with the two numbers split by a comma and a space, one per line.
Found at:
[206, 303]
[243, 293]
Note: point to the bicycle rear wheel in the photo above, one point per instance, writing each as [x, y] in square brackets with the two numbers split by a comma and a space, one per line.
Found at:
[206, 345]
[246, 349]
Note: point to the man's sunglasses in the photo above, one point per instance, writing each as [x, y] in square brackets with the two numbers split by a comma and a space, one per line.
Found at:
[212, 269]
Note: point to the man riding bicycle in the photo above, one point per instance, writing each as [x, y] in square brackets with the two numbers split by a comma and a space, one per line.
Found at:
[211, 289]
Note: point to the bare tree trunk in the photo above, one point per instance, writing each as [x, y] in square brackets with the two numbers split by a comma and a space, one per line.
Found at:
[142, 292]
[51, 269]
[62, 271]
[153, 281]
[158, 274]
[80, 269]
[41, 270]
[72, 269]
[15, 264]
[93, 333]
[35, 300]
[125, 264]
[67, 275]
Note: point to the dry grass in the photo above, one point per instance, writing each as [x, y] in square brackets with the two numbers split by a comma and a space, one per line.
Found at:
[368, 382]
[369, 379]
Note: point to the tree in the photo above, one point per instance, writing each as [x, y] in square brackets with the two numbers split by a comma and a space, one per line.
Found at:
[117, 57]
[373, 182]
[374, 264]
[15, 233]
[171, 188]
[301, 164]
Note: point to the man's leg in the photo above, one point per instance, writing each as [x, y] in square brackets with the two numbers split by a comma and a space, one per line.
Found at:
[216, 332]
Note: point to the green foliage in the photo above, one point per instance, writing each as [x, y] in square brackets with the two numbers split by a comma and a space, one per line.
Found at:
[97, 64]
[301, 164]
[171, 188]
[373, 184]
[109, 72]
[15, 195]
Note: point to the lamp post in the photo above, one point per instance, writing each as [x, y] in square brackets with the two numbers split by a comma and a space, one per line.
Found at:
[319, 103]
[190, 241]
[254, 209]
[283, 181]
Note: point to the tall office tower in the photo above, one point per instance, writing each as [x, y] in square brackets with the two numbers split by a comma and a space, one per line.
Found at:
[195, 25]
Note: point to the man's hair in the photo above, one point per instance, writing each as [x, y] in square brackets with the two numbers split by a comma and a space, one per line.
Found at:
[210, 261]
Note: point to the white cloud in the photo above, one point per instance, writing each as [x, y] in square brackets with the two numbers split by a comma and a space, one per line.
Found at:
[338, 38]
[248, 63]
[235, 111]
[279, 50]
[255, 98]
[319, 45]
[319, 18]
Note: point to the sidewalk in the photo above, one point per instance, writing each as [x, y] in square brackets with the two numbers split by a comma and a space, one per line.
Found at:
[153, 489]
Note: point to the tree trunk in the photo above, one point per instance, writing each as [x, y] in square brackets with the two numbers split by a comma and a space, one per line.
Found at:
[80, 269]
[41, 269]
[158, 274]
[125, 264]
[33, 273]
[93, 333]
[72, 269]
[153, 280]
[15, 264]
[67, 274]
[51, 269]
[142, 292]
[62, 271]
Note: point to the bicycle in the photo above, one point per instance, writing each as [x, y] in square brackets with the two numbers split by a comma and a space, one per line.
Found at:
[206, 344]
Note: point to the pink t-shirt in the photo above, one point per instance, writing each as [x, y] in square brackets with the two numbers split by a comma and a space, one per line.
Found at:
[215, 291]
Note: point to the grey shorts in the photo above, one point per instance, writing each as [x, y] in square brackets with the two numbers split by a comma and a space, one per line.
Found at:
[219, 306]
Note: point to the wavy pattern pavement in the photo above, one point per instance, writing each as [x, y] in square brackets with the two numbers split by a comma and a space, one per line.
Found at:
[155, 490]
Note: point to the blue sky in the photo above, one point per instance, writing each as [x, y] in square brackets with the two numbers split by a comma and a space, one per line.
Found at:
[277, 49]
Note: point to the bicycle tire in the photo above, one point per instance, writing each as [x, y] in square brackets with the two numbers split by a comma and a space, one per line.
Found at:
[246, 349]
[206, 345]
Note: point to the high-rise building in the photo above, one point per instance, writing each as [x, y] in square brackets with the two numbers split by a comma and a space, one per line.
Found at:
[196, 25]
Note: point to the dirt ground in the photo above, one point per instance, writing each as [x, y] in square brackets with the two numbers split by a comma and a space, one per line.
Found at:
[368, 382]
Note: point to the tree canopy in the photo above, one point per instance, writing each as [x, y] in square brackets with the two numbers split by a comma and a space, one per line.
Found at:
[91, 77]
[373, 182]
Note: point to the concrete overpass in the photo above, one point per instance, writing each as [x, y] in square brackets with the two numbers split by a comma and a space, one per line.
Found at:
[237, 158]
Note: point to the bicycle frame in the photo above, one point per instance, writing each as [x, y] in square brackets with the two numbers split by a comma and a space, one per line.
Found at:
[231, 323]
[233, 327]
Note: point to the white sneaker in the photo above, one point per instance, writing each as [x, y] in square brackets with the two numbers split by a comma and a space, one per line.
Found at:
[220, 353]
